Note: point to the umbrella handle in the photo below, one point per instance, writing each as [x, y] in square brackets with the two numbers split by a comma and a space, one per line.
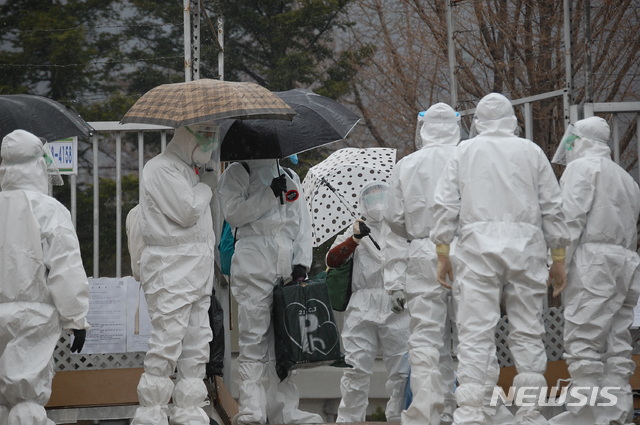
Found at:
[374, 242]
[280, 172]
[335, 192]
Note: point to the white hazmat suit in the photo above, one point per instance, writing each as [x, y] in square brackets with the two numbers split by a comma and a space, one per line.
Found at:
[499, 195]
[43, 285]
[601, 203]
[369, 323]
[273, 235]
[410, 215]
[176, 271]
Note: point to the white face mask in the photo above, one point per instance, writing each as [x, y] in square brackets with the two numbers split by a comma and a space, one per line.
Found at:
[200, 157]
[375, 214]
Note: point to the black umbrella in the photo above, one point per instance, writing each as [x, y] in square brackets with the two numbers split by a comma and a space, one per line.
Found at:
[320, 121]
[41, 116]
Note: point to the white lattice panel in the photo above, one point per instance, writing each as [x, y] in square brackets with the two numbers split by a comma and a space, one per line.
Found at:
[65, 360]
[553, 324]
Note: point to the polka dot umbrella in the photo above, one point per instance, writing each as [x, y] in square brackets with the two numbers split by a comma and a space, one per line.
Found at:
[332, 187]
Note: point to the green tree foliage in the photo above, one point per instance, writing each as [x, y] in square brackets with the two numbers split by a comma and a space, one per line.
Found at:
[102, 55]
[54, 48]
[282, 44]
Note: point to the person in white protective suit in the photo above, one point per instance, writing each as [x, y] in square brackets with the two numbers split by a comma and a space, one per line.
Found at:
[370, 324]
[44, 287]
[176, 272]
[411, 273]
[499, 195]
[601, 204]
[266, 204]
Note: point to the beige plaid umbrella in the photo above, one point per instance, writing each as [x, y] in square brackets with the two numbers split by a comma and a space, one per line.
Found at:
[204, 100]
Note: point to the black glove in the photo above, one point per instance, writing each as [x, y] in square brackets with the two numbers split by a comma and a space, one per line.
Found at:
[360, 229]
[279, 185]
[79, 336]
[299, 273]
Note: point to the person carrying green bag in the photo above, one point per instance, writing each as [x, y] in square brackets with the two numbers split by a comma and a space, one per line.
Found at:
[369, 323]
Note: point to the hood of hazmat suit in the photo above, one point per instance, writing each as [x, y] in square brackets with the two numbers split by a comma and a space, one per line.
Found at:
[587, 138]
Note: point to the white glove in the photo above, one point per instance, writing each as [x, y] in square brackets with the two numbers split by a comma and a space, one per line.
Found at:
[398, 300]
[360, 230]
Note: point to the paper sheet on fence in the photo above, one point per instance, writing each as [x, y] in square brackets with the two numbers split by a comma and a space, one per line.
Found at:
[113, 307]
[138, 321]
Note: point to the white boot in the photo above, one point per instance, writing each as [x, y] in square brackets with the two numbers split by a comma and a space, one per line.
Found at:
[189, 396]
[427, 387]
[252, 396]
[470, 405]
[154, 393]
[617, 372]
[530, 415]
[583, 373]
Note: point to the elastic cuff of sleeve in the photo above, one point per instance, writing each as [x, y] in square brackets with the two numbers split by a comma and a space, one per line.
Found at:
[442, 249]
[558, 254]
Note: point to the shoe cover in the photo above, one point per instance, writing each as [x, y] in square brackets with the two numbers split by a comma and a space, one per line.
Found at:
[469, 412]
[154, 393]
[28, 413]
[617, 372]
[583, 373]
[395, 404]
[530, 415]
[495, 415]
[427, 404]
[283, 402]
[150, 415]
[354, 387]
[252, 396]
[189, 396]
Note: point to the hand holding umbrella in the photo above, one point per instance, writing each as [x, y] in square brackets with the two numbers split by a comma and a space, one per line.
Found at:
[342, 175]
[364, 229]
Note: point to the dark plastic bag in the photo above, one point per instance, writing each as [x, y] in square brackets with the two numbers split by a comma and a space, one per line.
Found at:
[339, 285]
[306, 333]
[216, 347]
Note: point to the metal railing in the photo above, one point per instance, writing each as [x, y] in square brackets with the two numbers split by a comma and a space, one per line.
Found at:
[117, 130]
[114, 132]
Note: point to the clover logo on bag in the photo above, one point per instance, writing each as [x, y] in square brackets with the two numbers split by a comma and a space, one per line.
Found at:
[313, 318]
